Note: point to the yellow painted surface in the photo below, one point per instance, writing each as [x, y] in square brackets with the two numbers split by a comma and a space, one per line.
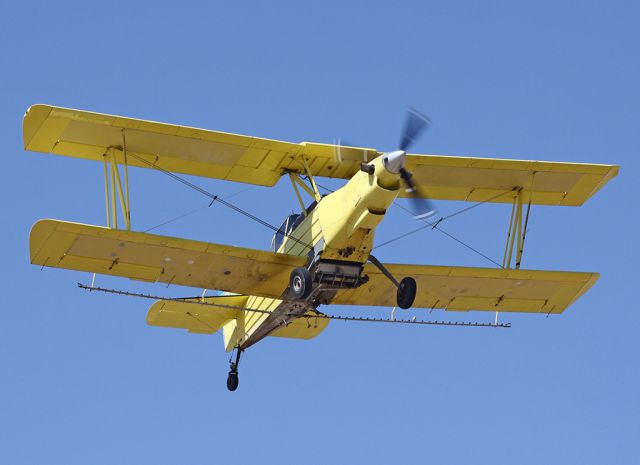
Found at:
[205, 319]
[348, 216]
[306, 327]
[174, 148]
[247, 322]
[254, 160]
[252, 320]
[465, 288]
[164, 259]
[155, 258]
[479, 179]
[342, 225]
[233, 332]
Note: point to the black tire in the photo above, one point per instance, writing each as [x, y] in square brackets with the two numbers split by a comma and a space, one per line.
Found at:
[407, 292]
[300, 283]
[232, 381]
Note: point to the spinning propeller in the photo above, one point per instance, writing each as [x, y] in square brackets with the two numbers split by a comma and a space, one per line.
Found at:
[415, 125]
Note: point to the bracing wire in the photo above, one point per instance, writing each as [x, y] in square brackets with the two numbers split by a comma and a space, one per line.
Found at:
[191, 212]
[436, 225]
[179, 217]
[217, 198]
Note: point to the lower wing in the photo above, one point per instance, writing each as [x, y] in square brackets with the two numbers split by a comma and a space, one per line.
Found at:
[464, 288]
[152, 258]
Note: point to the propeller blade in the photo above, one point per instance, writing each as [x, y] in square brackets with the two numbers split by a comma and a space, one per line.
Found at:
[406, 177]
[337, 151]
[415, 124]
[340, 151]
[423, 208]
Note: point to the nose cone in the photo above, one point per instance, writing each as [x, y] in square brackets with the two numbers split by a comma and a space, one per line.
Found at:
[394, 161]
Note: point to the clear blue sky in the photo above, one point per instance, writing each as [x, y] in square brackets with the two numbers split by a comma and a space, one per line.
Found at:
[85, 380]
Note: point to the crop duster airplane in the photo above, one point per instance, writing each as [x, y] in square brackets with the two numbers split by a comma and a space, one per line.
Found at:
[320, 256]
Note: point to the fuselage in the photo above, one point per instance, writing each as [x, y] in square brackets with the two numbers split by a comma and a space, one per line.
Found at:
[336, 235]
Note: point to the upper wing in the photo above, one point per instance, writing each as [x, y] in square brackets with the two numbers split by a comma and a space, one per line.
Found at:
[154, 258]
[462, 288]
[179, 149]
[260, 161]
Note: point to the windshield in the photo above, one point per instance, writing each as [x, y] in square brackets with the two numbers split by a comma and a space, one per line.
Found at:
[285, 228]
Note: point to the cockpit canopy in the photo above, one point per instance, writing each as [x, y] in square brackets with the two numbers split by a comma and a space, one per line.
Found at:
[285, 229]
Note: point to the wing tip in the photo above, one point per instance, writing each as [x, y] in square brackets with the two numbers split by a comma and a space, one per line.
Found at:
[32, 121]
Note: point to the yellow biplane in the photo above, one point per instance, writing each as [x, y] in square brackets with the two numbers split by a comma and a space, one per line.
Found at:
[318, 257]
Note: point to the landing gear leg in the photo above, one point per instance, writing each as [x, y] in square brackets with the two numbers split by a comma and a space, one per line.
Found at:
[407, 288]
[232, 379]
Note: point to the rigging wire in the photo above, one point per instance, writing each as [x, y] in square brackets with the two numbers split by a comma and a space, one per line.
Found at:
[217, 198]
[436, 225]
[179, 217]
[491, 199]
[191, 212]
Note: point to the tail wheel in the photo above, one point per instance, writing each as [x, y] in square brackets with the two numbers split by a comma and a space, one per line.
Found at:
[232, 381]
[300, 283]
[407, 292]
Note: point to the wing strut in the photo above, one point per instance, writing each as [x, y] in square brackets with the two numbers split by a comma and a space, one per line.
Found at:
[517, 232]
[296, 180]
[113, 185]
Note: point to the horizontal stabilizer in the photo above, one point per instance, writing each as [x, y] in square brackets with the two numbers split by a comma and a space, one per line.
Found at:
[209, 318]
[206, 319]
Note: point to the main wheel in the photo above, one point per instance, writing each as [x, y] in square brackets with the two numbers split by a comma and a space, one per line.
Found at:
[232, 381]
[407, 292]
[300, 283]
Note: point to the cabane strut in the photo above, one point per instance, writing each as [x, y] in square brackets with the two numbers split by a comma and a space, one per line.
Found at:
[296, 180]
